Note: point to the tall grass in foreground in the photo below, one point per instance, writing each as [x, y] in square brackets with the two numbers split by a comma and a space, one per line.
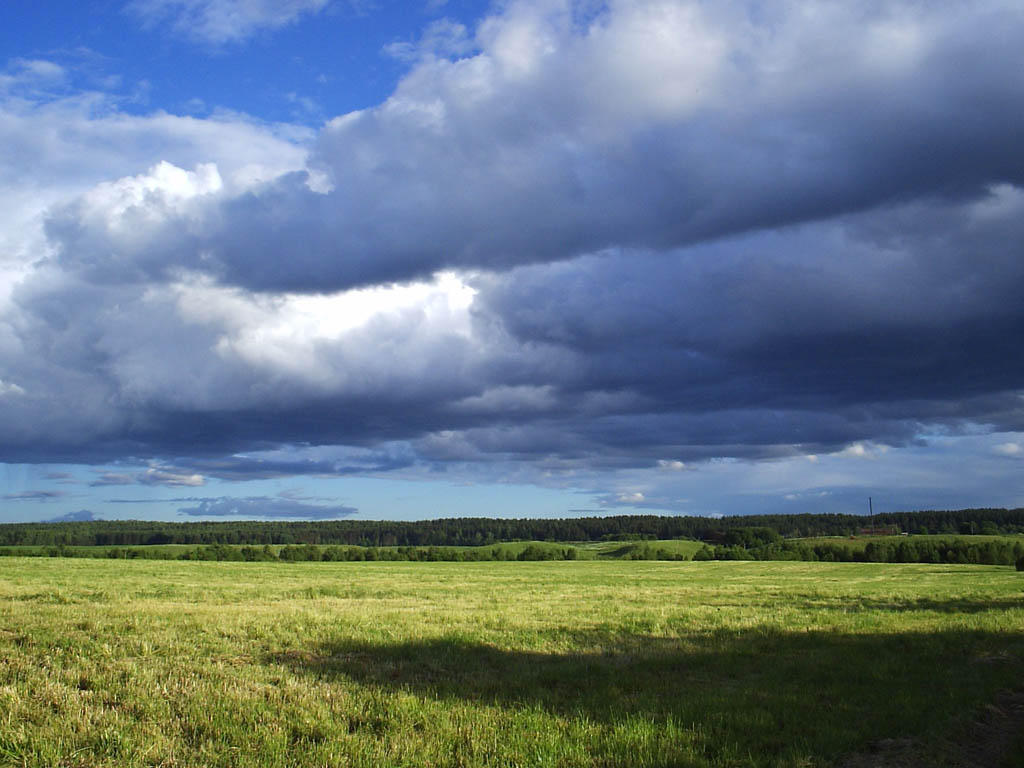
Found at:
[148, 663]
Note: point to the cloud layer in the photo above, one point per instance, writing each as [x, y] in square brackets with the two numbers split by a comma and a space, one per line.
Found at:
[650, 125]
[575, 239]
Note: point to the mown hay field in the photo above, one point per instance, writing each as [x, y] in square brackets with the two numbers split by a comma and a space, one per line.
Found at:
[608, 663]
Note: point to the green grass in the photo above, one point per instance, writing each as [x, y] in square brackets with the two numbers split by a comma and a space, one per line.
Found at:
[623, 549]
[608, 663]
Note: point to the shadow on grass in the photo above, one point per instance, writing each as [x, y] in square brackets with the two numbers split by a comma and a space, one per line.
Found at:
[904, 605]
[757, 692]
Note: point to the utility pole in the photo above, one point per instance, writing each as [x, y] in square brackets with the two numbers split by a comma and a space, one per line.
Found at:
[871, 516]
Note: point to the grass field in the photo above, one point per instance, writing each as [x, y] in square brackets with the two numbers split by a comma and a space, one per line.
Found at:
[609, 663]
[623, 549]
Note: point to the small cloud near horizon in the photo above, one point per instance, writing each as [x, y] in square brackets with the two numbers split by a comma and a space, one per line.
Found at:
[33, 496]
[266, 506]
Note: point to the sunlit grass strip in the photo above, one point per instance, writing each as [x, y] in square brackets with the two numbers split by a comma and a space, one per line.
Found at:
[562, 664]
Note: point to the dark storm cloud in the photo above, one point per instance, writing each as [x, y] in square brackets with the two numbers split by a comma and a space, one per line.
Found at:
[801, 339]
[266, 506]
[863, 327]
[518, 156]
[695, 231]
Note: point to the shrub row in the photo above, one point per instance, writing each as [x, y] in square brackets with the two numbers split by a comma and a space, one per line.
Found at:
[308, 553]
[909, 551]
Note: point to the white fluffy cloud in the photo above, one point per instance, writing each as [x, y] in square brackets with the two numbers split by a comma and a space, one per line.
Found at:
[224, 21]
[62, 147]
[70, 150]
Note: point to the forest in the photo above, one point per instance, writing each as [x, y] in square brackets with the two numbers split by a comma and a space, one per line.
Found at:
[455, 532]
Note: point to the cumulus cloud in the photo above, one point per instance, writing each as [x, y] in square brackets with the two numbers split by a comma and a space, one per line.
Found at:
[160, 476]
[671, 465]
[647, 125]
[643, 236]
[9, 388]
[53, 325]
[65, 150]
[266, 507]
[223, 21]
[123, 212]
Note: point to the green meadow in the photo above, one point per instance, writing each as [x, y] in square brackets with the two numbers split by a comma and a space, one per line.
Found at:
[595, 662]
[683, 549]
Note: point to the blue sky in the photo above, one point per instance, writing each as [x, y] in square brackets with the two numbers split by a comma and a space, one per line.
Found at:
[318, 259]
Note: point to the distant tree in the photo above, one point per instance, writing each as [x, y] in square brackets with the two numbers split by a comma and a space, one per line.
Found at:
[752, 537]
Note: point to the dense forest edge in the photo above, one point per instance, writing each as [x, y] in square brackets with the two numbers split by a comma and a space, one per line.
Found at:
[946, 536]
[481, 531]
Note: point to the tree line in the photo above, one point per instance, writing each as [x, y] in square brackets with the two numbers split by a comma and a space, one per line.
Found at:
[305, 553]
[462, 532]
[961, 551]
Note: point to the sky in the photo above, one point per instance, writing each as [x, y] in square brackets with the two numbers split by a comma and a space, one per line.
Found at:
[329, 259]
